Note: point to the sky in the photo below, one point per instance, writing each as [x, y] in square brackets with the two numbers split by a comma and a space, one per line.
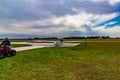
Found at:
[59, 18]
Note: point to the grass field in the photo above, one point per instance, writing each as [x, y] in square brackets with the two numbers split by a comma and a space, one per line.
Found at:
[96, 61]
[20, 45]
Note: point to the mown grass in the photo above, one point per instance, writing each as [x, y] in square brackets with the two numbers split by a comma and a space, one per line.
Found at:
[96, 61]
[20, 45]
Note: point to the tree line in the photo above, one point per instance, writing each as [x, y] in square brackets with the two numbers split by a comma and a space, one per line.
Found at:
[80, 37]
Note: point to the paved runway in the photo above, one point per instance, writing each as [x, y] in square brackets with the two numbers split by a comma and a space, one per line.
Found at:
[40, 45]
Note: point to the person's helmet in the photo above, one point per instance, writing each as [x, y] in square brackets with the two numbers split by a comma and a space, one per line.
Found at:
[6, 38]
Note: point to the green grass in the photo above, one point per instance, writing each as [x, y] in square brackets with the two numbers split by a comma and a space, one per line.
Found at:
[20, 45]
[96, 61]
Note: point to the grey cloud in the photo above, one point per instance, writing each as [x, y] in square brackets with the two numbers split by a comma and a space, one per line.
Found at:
[33, 10]
[95, 8]
[45, 9]
[45, 26]
[21, 10]
[21, 35]
[79, 33]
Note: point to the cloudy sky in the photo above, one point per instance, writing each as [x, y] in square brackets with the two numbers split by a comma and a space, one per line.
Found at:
[44, 18]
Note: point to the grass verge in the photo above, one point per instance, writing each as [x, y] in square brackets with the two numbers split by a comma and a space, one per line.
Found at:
[20, 45]
[96, 61]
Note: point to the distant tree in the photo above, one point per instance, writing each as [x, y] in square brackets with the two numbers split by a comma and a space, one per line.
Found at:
[29, 38]
[105, 37]
[36, 38]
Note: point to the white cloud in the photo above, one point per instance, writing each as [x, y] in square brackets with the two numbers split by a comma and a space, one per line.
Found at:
[113, 31]
[83, 19]
[57, 25]
[45, 17]
[112, 2]
[98, 0]
[104, 17]
[110, 23]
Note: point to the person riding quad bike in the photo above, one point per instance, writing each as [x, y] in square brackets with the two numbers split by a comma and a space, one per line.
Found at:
[6, 44]
[5, 50]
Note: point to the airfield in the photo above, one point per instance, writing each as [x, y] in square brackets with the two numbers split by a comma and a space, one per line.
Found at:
[41, 45]
[74, 60]
[44, 43]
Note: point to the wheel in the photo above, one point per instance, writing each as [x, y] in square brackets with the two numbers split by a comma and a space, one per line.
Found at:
[1, 55]
[12, 53]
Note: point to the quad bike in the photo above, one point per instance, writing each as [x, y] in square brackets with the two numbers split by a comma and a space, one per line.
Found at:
[4, 53]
